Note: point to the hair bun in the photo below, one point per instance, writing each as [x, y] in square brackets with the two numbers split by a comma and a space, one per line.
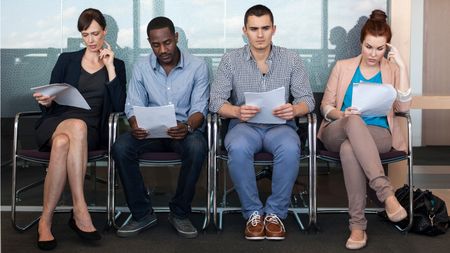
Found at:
[378, 16]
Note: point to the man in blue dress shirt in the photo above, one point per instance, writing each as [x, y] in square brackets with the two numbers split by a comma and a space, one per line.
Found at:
[167, 76]
[261, 66]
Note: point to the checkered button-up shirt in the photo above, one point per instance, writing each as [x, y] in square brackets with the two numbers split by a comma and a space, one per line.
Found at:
[238, 73]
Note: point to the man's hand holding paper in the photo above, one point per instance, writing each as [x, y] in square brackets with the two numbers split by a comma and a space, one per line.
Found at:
[178, 132]
[373, 100]
[155, 120]
[267, 102]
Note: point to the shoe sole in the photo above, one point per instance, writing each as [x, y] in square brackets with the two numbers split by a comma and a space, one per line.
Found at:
[188, 236]
[354, 245]
[125, 234]
[397, 216]
[255, 238]
[275, 238]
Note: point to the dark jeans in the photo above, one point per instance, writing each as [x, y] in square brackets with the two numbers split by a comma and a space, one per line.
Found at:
[126, 150]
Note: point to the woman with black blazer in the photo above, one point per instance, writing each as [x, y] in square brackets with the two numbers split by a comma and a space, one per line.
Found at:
[69, 132]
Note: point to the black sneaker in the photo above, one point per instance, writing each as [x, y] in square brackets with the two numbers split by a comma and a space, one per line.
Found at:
[133, 227]
[183, 226]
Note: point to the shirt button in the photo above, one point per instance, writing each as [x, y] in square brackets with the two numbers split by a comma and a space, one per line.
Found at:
[168, 88]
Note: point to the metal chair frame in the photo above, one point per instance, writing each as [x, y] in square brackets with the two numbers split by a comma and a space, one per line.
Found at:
[261, 159]
[42, 158]
[154, 160]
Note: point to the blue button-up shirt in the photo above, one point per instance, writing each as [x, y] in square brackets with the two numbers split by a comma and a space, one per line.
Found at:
[186, 86]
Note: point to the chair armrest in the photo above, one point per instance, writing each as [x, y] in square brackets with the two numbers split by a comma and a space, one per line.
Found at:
[215, 131]
[407, 116]
[309, 118]
[113, 126]
[209, 125]
[21, 115]
[27, 114]
[18, 117]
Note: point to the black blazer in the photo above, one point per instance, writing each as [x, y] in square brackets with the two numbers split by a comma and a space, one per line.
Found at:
[68, 70]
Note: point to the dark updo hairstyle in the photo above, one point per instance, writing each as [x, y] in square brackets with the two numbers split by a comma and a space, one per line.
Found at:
[87, 16]
[376, 25]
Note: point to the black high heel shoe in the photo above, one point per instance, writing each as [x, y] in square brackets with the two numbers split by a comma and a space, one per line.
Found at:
[88, 236]
[45, 245]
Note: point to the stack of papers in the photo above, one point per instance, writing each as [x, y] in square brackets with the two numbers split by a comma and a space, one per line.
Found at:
[65, 94]
[267, 102]
[373, 100]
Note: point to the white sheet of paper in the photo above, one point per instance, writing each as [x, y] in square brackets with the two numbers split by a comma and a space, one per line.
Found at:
[266, 101]
[65, 94]
[156, 119]
[373, 100]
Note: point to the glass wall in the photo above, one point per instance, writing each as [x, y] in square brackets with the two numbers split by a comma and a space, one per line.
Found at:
[34, 33]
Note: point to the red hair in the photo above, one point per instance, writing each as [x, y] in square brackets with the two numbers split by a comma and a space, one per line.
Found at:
[376, 25]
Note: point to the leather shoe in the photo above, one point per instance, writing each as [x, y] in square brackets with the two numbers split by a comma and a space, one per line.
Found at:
[89, 236]
[352, 244]
[254, 229]
[274, 227]
[46, 245]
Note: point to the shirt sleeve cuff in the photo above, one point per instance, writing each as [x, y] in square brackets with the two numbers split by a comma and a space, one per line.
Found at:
[325, 115]
[404, 96]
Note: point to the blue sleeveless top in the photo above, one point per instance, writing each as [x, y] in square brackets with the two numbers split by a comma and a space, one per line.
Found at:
[359, 78]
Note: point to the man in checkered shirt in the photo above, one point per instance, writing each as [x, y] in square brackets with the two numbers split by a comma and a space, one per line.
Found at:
[261, 66]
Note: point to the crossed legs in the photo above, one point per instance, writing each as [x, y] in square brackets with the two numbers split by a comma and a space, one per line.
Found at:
[68, 159]
[359, 146]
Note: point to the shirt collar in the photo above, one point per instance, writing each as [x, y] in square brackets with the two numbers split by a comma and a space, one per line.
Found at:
[155, 64]
[248, 55]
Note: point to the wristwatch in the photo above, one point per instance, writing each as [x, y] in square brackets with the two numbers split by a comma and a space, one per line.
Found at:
[189, 128]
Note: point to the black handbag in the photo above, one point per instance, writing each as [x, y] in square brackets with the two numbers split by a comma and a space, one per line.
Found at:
[430, 213]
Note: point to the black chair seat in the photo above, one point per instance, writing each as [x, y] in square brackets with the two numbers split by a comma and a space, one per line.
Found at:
[162, 157]
[43, 157]
[388, 157]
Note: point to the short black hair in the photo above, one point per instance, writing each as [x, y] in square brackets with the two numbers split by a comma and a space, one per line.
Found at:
[258, 10]
[87, 16]
[160, 22]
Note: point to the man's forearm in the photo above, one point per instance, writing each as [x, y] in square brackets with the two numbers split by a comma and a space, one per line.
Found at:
[300, 109]
[229, 111]
[133, 122]
[195, 120]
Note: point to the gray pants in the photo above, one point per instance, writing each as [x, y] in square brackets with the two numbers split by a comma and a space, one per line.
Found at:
[359, 146]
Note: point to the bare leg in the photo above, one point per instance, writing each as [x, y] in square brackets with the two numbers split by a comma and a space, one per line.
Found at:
[76, 170]
[68, 159]
[54, 183]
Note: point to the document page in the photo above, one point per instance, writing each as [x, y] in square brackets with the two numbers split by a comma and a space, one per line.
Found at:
[156, 120]
[266, 101]
[65, 94]
[373, 100]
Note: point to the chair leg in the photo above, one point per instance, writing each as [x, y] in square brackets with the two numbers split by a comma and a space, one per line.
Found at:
[15, 198]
